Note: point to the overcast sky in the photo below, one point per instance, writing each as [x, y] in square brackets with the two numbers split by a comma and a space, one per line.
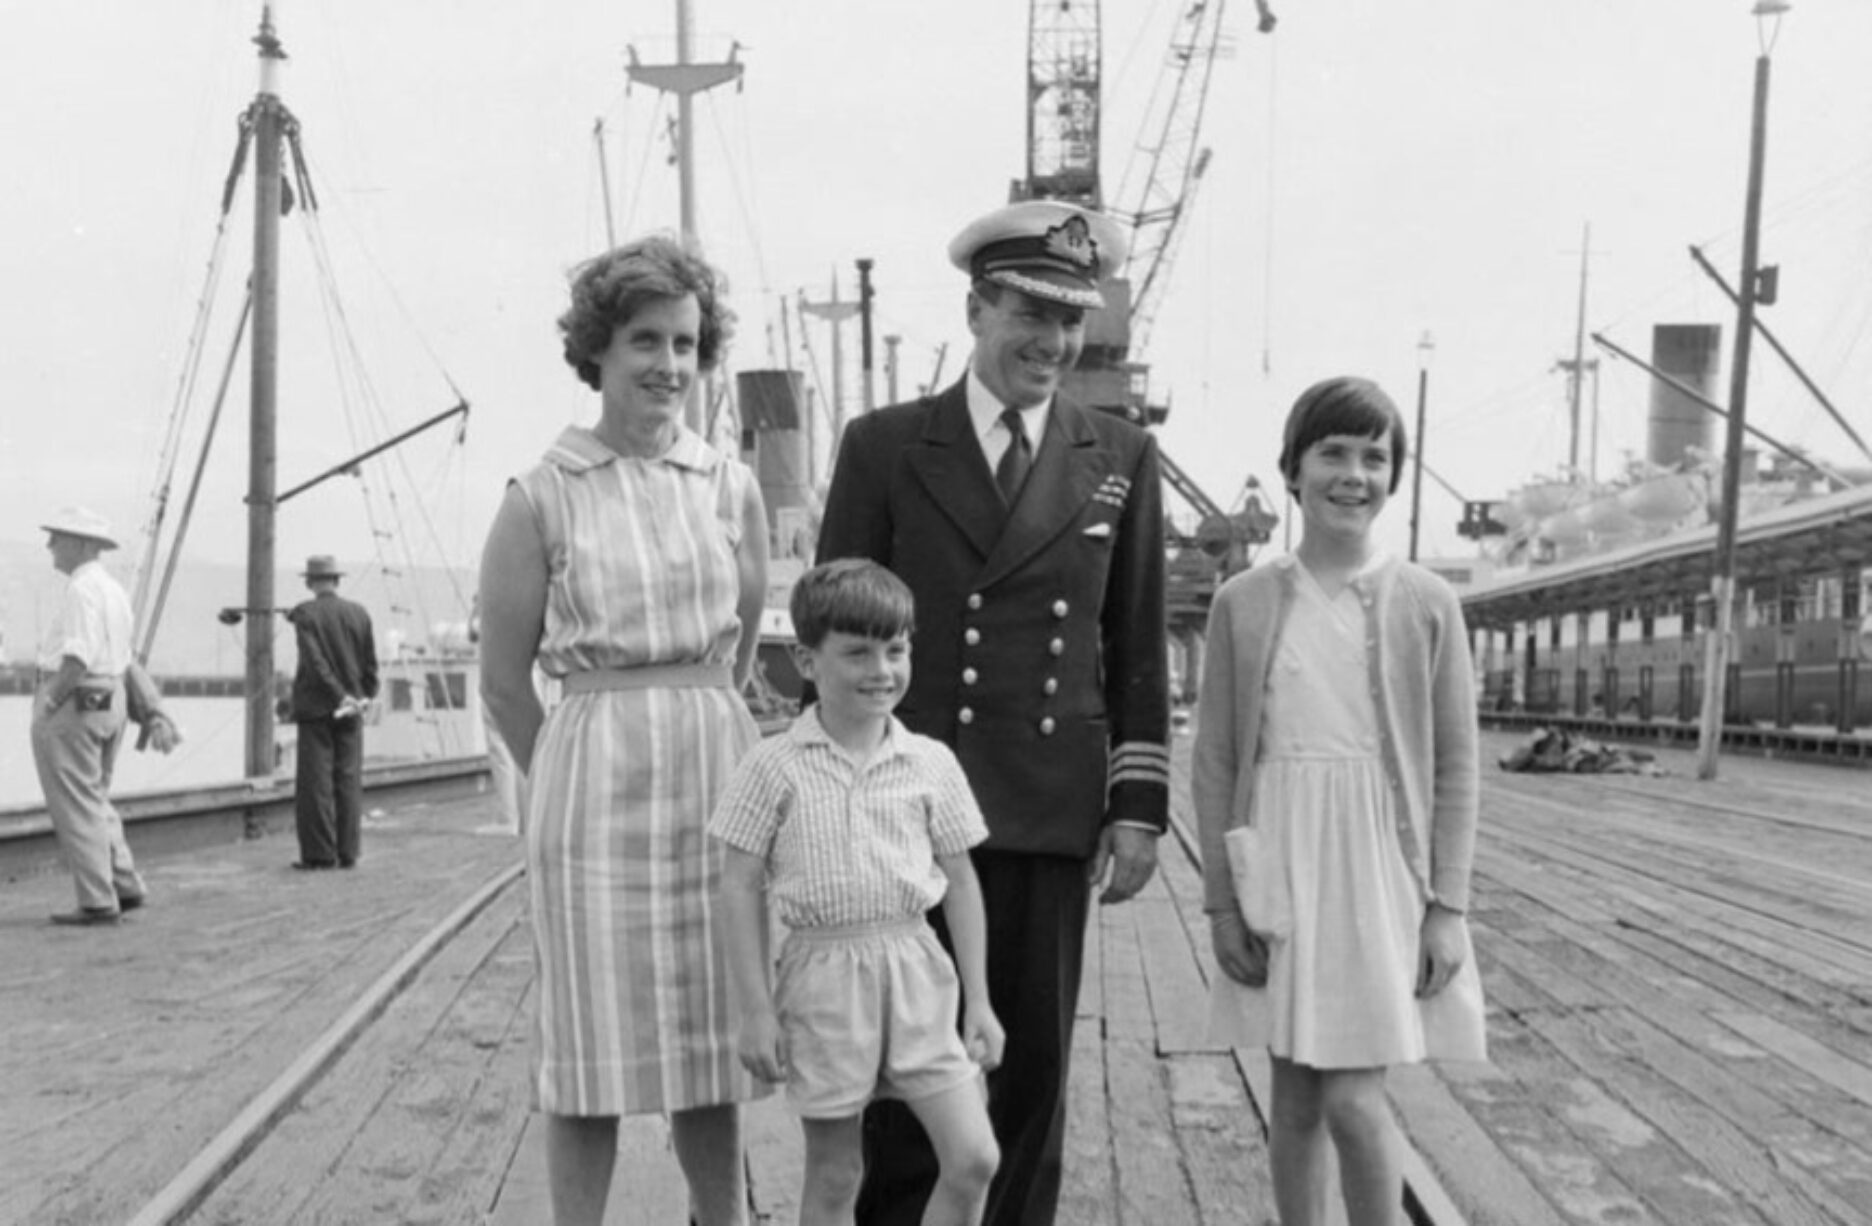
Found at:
[1379, 169]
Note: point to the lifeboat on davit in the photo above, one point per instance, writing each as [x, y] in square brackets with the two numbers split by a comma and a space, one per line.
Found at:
[1567, 528]
[1606, 516]
[1535, 501]
[1665, 499]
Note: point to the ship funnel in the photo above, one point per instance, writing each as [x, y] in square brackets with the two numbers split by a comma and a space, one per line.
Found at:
[773, 416]
[1690, 354]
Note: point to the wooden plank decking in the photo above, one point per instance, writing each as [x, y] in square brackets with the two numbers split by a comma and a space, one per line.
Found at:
[1679, 976]
[1680, 986]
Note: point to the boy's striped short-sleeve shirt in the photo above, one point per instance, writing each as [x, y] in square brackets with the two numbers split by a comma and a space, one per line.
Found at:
[849, 842]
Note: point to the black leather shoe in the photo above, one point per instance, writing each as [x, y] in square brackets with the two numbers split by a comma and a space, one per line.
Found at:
[85, 917]
[129, 902]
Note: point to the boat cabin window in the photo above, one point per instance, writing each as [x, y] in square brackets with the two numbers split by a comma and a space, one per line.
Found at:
[446, 691]
[401, 697]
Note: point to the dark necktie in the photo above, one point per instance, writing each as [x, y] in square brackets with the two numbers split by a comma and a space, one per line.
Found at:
[1016, 460]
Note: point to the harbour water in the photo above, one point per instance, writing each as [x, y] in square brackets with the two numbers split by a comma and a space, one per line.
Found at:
[426, 711]
[211, 752]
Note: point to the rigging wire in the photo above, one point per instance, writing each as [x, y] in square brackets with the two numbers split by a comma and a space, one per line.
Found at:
[812, 360]
[369, 406]
[657, 121]
[321, 250]
[170, 454]
[1267, 235]
[389, 286]
[742, 198]
[364, 416]
[606, 135]
[151, 617]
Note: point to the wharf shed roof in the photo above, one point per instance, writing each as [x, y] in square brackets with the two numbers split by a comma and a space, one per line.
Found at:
[1813, 536]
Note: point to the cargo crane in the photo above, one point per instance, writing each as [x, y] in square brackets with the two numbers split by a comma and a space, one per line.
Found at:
[1063, 144]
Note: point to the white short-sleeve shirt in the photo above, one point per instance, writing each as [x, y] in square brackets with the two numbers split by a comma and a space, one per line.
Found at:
[849, 842]
[92, 624]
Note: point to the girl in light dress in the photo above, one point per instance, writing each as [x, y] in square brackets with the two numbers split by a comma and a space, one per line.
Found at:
[1335, 782]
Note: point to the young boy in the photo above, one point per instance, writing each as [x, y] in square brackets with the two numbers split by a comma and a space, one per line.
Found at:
[859, 826]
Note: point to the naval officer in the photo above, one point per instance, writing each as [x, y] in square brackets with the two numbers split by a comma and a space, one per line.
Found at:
[1030, 529]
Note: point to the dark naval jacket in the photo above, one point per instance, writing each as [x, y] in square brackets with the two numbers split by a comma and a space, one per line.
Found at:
[1039, 652]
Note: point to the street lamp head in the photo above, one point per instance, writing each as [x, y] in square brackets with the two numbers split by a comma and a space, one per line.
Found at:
[234, 616]
[1768, 15]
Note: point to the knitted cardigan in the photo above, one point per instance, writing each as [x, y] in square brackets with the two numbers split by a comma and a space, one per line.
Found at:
[1423, 689]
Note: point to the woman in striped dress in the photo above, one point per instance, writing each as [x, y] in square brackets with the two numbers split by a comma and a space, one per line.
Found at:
[631, 563]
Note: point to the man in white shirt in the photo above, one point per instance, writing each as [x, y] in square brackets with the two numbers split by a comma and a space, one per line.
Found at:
[78, 719]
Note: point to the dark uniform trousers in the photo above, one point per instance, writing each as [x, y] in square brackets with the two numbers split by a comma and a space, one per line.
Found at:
[329, 801]
[1035, 957]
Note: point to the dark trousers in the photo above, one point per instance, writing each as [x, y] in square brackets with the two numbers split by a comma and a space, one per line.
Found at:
[329, 802]
[1036, 942]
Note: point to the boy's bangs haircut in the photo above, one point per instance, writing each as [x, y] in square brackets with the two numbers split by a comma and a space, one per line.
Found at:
[852, 596]
[1349, 406]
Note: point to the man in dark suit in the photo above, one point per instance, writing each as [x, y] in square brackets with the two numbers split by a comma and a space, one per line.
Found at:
[337, 676]
[1031, 531]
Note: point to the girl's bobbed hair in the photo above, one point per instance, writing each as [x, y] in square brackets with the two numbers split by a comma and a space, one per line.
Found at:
[1343, 405]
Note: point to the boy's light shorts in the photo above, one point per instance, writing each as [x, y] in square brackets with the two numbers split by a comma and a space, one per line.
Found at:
[868, 1012]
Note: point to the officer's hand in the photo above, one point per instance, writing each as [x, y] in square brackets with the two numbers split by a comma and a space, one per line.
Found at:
[1131, 854]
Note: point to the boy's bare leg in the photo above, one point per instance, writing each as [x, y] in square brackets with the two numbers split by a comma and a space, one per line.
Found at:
[957, 1123]
[834, 1165]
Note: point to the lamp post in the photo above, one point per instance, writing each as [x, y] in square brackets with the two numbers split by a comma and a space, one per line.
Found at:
[1426, 346]
[1722, 580]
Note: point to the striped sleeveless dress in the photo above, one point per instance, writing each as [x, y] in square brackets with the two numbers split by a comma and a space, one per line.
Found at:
[633, 1013]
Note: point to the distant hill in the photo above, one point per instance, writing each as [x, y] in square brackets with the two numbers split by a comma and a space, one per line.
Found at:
[191, 641]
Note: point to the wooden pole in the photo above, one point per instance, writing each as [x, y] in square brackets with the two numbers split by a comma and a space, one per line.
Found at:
[1424, 348]
[835, 313]
[1576, 369]
[864, 332]
[604, 181]
[1722, 582]
[261, 432]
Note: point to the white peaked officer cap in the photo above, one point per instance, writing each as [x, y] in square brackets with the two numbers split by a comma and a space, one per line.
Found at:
[1043, 248]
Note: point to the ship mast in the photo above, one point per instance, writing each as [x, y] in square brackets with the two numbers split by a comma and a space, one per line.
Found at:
[685, 78]
[265, 116]
[1577, 368]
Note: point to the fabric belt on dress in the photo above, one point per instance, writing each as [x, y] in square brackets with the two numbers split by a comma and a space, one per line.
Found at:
[908, 925]
[652, 677]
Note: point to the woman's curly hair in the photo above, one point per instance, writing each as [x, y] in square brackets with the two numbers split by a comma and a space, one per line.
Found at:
[608, 289]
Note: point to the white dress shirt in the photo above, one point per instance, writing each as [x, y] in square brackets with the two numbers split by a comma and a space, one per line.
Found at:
[985, 409]
[92, 624]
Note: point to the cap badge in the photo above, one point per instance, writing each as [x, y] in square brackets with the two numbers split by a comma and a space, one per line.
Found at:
[1071, 240]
